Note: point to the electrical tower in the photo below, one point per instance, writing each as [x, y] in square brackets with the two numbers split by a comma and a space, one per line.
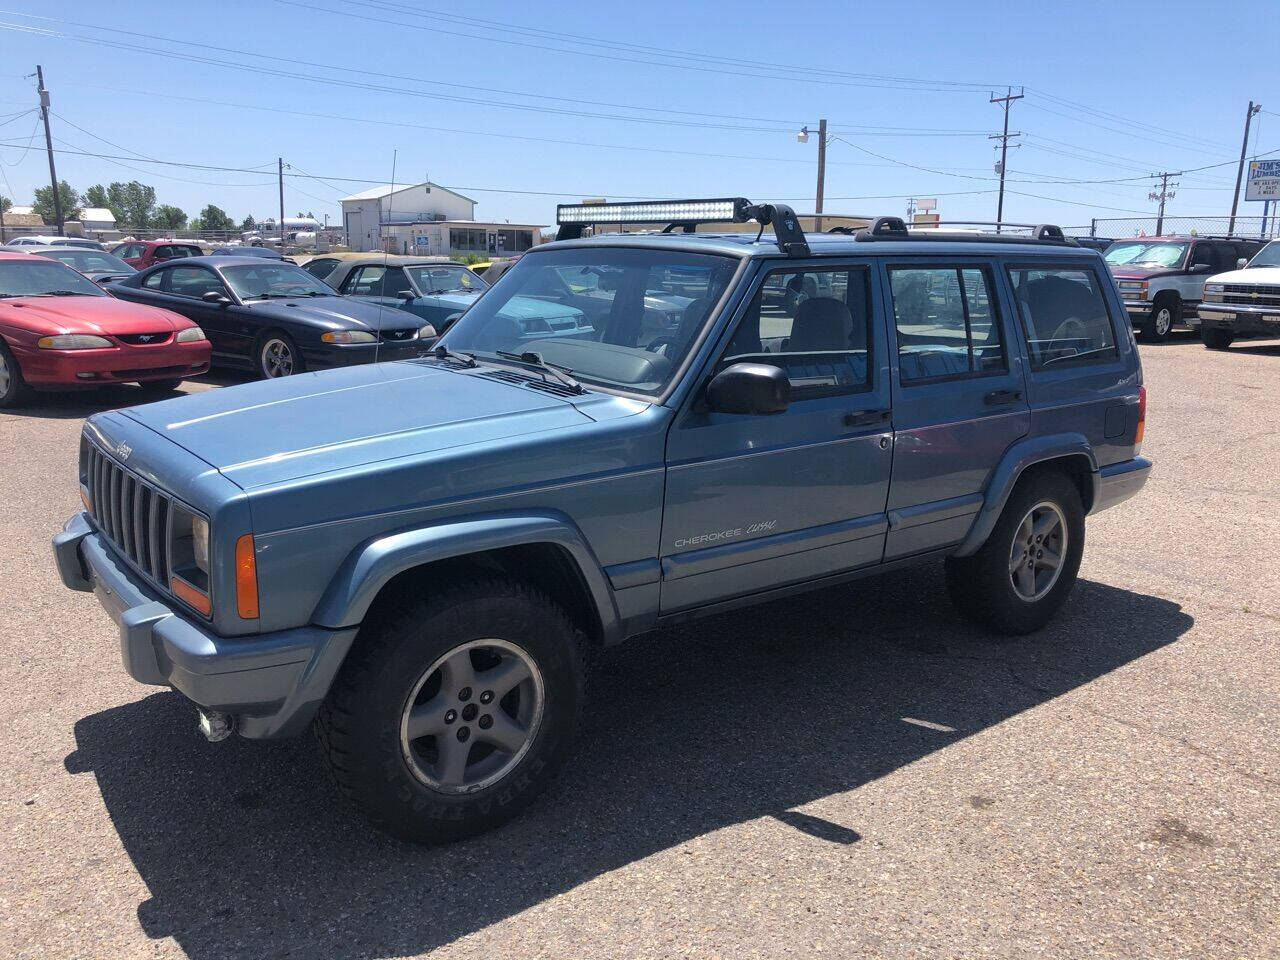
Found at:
[1004, 137]
[1163, 194]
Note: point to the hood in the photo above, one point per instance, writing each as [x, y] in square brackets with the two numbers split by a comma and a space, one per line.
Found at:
[530, 308]
[1124, 272]
[333, 313]
[272, 431]
[1261, 275]
[459, 300]
[100, 315]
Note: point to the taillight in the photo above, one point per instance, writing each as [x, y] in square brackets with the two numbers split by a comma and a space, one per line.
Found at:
[1142, 418]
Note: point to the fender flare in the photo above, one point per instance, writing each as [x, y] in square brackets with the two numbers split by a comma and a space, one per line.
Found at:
[373, 563]
[1017, 459]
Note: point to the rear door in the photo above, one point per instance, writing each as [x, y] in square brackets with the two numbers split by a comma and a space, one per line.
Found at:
[958, 396]
[755, 502]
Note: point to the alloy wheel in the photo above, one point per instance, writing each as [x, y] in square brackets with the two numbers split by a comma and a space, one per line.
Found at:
[277, 358]
[1038, 550]
[1164, 321]
[472, 716]
[6, 375]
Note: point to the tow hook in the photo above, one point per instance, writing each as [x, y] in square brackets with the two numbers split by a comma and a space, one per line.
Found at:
[216, 726]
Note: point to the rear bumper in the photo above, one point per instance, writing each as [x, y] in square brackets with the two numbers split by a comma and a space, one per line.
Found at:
[272, 683]
[113, 364]
[1117, 482]
[1241, 319]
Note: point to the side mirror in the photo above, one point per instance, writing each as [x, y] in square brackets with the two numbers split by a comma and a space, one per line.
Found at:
[407, 295]
[749, 388]
[213, 296]
[1242, 263]
[1200, 268]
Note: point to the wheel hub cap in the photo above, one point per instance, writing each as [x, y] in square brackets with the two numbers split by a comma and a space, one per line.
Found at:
[277, 359]
[1038, 550]
[472, 716]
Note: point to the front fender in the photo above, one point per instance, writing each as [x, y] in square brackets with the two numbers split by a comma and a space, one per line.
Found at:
[1017, 459]
[372, 564]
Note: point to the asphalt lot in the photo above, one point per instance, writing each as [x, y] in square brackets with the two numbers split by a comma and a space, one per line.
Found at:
[854, 772]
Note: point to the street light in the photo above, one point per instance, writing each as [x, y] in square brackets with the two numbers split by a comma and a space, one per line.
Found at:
[803, 137]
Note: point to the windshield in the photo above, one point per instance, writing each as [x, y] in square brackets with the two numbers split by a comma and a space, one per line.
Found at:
[274, 280]
[1268, 256]
[89, 261]
[38, 277]
[1142, 254]
[614, 317]
[445, 279]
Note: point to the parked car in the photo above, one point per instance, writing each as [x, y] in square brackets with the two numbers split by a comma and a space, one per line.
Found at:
[98, 265]
[242, 251]
[141, 254]
[1094, 243]
[491, 270]
[274, 318]
[320, 265]
[1162, 278]
[420, 556]
[51, 241]
[1244, 302]
[432, 288]
[59, 330]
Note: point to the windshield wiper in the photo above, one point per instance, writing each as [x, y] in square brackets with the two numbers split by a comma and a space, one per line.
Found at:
[441, 352]
[534, 359]
[63, 293]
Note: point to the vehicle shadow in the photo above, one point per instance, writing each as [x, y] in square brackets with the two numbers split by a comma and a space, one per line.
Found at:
[78, 404]
[247, 851]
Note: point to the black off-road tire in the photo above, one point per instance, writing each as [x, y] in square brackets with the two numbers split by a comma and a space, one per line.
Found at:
[1166, 313]
[359, 725]
[981, 585]
[13, 388]
[1216, 339]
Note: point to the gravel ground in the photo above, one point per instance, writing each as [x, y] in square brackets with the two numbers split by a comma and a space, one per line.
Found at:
[854, 772]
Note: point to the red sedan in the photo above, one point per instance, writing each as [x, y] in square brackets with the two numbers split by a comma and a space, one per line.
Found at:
[59, 329]
[141, 254]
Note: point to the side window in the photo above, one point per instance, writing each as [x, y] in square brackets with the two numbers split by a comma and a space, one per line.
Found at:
[1202, 252]
[947, 323]
[193, 282]
[364, 282]
[815, 325]
[1064, 315]
[320, 268]
[154, 280]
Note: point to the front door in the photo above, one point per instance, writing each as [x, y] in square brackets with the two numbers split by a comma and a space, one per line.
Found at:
[761, 501]
[959, 397]
[186, 285]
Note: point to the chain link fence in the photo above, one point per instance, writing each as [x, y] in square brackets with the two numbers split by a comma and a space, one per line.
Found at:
[1117, 227]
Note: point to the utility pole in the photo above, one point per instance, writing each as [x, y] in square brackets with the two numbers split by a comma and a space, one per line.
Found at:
[1006, 101]
[1163, 194]
[1244, 147]
[48, 143]
[822, 175]
[280, 172]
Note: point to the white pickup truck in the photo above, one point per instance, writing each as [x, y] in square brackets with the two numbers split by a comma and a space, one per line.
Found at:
[1244, 302]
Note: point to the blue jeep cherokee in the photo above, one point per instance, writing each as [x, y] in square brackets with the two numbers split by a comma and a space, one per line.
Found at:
[418, 556]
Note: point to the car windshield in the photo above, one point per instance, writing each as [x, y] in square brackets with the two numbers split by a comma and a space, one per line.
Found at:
[445, 279]
[89, 261]
[1268, 256]
[1144, 254]
[616, 318]
[273, 280]
[38, 277]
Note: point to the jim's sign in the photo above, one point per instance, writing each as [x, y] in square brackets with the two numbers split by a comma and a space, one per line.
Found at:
[1264, 180]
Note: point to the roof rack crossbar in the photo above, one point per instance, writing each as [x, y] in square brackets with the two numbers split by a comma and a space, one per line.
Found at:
[893, 228]
[573, 218]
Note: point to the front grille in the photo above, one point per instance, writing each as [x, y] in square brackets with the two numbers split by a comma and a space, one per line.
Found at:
[131, 514]
[1247, 293]
[396, 336]
[145, 339]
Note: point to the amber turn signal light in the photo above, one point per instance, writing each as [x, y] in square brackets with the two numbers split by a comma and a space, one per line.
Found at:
[246, 579]
[188, 594]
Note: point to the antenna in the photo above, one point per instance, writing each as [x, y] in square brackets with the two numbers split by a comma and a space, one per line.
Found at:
[391, 199]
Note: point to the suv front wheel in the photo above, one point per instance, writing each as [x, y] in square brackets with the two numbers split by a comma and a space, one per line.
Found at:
[1164, 315]
[455, 710]
[1025, 570]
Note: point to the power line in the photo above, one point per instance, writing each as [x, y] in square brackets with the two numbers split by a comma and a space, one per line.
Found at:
[1129, 121]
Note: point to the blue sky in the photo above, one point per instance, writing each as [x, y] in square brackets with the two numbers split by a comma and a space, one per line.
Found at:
[1114, 91]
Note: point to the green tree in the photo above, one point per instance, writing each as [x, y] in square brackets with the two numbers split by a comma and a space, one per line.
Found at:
[70, 203]
[132, 204]
[247, 224]
[96, 196]
[215, 218]
[5, 204]
[169, 217]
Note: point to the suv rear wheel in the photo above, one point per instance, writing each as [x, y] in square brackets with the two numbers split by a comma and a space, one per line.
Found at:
[1216, 339]
[1160, 322]
[454, 711]
[1028, 565]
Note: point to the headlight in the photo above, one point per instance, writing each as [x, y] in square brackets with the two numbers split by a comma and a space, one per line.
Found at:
[1213, 288]
[347, 336]
[73, 341]
[189, 558]
[189, 334]
[427, 331]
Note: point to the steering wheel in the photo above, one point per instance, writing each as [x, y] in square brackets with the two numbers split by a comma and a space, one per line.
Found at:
[1072, 328]
[659, 345]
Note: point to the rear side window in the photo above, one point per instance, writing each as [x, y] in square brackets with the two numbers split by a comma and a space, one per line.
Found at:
[154, 280]
[320, 268]
[1064, 316]
[947, 323]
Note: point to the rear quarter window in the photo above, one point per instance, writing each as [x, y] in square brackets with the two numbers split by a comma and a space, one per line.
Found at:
[1064, 315]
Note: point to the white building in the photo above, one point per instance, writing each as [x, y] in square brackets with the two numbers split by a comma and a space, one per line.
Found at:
[428, 219]
[99, 222]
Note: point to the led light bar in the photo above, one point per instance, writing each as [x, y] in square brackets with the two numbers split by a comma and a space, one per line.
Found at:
[725, 210]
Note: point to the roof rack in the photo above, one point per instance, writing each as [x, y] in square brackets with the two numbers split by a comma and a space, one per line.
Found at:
[572, 218]
[894, 228]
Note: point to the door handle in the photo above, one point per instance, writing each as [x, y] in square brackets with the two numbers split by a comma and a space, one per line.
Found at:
[866, 418]
[996, 397]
